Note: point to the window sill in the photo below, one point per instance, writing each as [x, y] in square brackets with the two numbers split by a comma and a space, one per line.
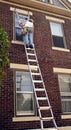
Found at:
[65, 116]
[22, 67]
[64, 128]
[17, 42]
[60, 49]
[21, 119]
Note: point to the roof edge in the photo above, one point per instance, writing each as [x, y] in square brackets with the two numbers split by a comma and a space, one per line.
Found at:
[40, 6]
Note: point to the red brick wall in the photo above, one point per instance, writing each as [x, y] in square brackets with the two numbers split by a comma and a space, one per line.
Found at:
[47, 58]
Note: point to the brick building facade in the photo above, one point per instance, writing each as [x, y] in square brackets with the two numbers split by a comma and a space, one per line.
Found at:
[52, 40]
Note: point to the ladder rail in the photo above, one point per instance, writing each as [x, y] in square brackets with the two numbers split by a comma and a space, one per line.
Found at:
[45, 90]
[41, 121]
[33, 83]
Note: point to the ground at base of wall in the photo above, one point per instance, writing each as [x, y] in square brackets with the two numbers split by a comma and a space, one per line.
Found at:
[59, 128]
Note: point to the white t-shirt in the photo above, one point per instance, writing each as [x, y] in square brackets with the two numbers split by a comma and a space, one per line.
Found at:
[28, 24]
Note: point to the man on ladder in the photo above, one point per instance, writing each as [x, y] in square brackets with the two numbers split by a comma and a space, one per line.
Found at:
[27, 31]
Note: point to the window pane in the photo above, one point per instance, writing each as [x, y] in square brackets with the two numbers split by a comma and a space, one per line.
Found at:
[23, 81]
[56, 29]
[18, 31]
[65, 83]
[68, 98]
[45, 0]
[66, 106]
[58, 41]
[24, 104]
[19, 34]
[58, 3]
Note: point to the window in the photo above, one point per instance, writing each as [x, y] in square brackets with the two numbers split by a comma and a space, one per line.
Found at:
[58, 3]
[24, 94]
[18, 29]
[65, 91]
[54, 2]
[47, 1]
[57, 35]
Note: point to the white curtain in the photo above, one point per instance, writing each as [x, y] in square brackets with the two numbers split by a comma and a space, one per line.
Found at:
[65, 83]
[56, 29]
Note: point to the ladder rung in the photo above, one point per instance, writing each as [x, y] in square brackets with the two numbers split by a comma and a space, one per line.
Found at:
[30, 49]
[30, 54]
[51, 129]
[35, 73]
[37, 81]
[39, 89]
[32, 60]
[41, 98]
[44, 108]
[47, 118]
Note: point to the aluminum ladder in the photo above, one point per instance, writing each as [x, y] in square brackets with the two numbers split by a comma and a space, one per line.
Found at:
[39, 87]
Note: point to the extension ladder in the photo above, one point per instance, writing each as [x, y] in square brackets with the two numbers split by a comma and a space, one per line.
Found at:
[38, 88]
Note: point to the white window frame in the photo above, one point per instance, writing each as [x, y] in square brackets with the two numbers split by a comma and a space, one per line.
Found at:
[22, 12]
[64, 41]
[22, 92]
[64, 94]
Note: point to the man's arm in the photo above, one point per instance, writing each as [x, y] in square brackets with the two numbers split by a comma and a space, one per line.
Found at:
[22, 24]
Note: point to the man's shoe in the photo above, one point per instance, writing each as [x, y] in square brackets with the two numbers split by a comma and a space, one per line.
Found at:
[31, 46]
[27, 45]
